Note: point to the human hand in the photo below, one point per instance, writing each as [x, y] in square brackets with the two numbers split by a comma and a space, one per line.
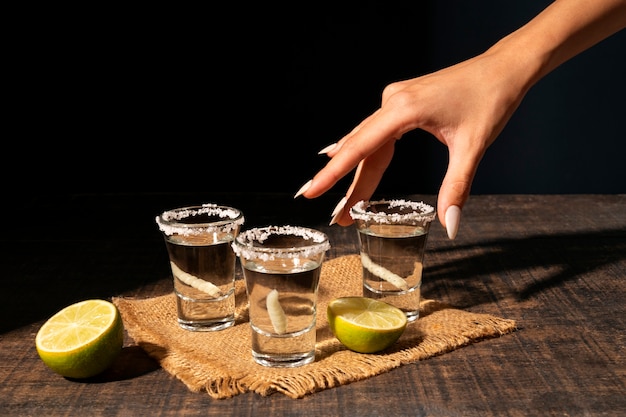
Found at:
[464, 106]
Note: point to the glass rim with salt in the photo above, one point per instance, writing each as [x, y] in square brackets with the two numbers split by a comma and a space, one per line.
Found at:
[248, 244]
[218, 218]
[396, 211]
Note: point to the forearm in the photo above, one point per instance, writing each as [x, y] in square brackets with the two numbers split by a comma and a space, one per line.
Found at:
[561, 31]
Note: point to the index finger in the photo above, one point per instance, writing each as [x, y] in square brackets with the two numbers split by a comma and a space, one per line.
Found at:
[374, 132]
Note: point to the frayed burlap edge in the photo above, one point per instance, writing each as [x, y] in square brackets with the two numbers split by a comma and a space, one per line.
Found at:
[221, 364]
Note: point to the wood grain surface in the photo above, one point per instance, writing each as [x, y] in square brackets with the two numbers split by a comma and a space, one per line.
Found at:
[554, 263]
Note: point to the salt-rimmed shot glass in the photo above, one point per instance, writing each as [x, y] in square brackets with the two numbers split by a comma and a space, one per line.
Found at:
[198, 241]
[281, 268]
[392, 236]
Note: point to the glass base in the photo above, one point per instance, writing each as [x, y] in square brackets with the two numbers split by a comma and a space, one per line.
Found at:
[404, 300]
[205, 326]
[283, 361]
[412, 315]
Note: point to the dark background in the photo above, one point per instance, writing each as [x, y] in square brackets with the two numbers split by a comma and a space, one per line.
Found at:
[241, 97]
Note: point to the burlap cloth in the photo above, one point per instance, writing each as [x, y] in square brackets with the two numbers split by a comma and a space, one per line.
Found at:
[221, 364]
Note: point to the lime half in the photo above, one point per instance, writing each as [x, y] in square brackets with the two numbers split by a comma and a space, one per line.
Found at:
[81, 340]
[365, 325]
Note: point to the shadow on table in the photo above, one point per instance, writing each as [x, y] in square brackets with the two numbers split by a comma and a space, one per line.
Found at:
[532, 264]
[132, 363]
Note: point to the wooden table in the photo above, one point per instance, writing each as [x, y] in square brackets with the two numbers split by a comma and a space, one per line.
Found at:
[554, 263]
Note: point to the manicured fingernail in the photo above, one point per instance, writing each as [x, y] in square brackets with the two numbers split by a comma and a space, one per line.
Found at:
[303, 189]
[453, 217]
[338, 210]
[327, 149]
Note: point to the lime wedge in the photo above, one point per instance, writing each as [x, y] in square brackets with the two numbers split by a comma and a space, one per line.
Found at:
[81, 340]
[365, 325]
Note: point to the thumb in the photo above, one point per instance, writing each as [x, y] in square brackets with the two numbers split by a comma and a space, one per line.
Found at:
[455, 191]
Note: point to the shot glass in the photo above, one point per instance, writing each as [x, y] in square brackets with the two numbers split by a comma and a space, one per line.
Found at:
[281, 268]
[198, 241]
[392, 236]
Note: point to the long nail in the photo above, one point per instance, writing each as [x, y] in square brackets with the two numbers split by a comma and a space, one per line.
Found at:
[303, 189]
[453, 218]
[338, 210]
[327, 149]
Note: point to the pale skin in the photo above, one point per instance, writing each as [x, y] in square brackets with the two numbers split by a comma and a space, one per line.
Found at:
[464, 106]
